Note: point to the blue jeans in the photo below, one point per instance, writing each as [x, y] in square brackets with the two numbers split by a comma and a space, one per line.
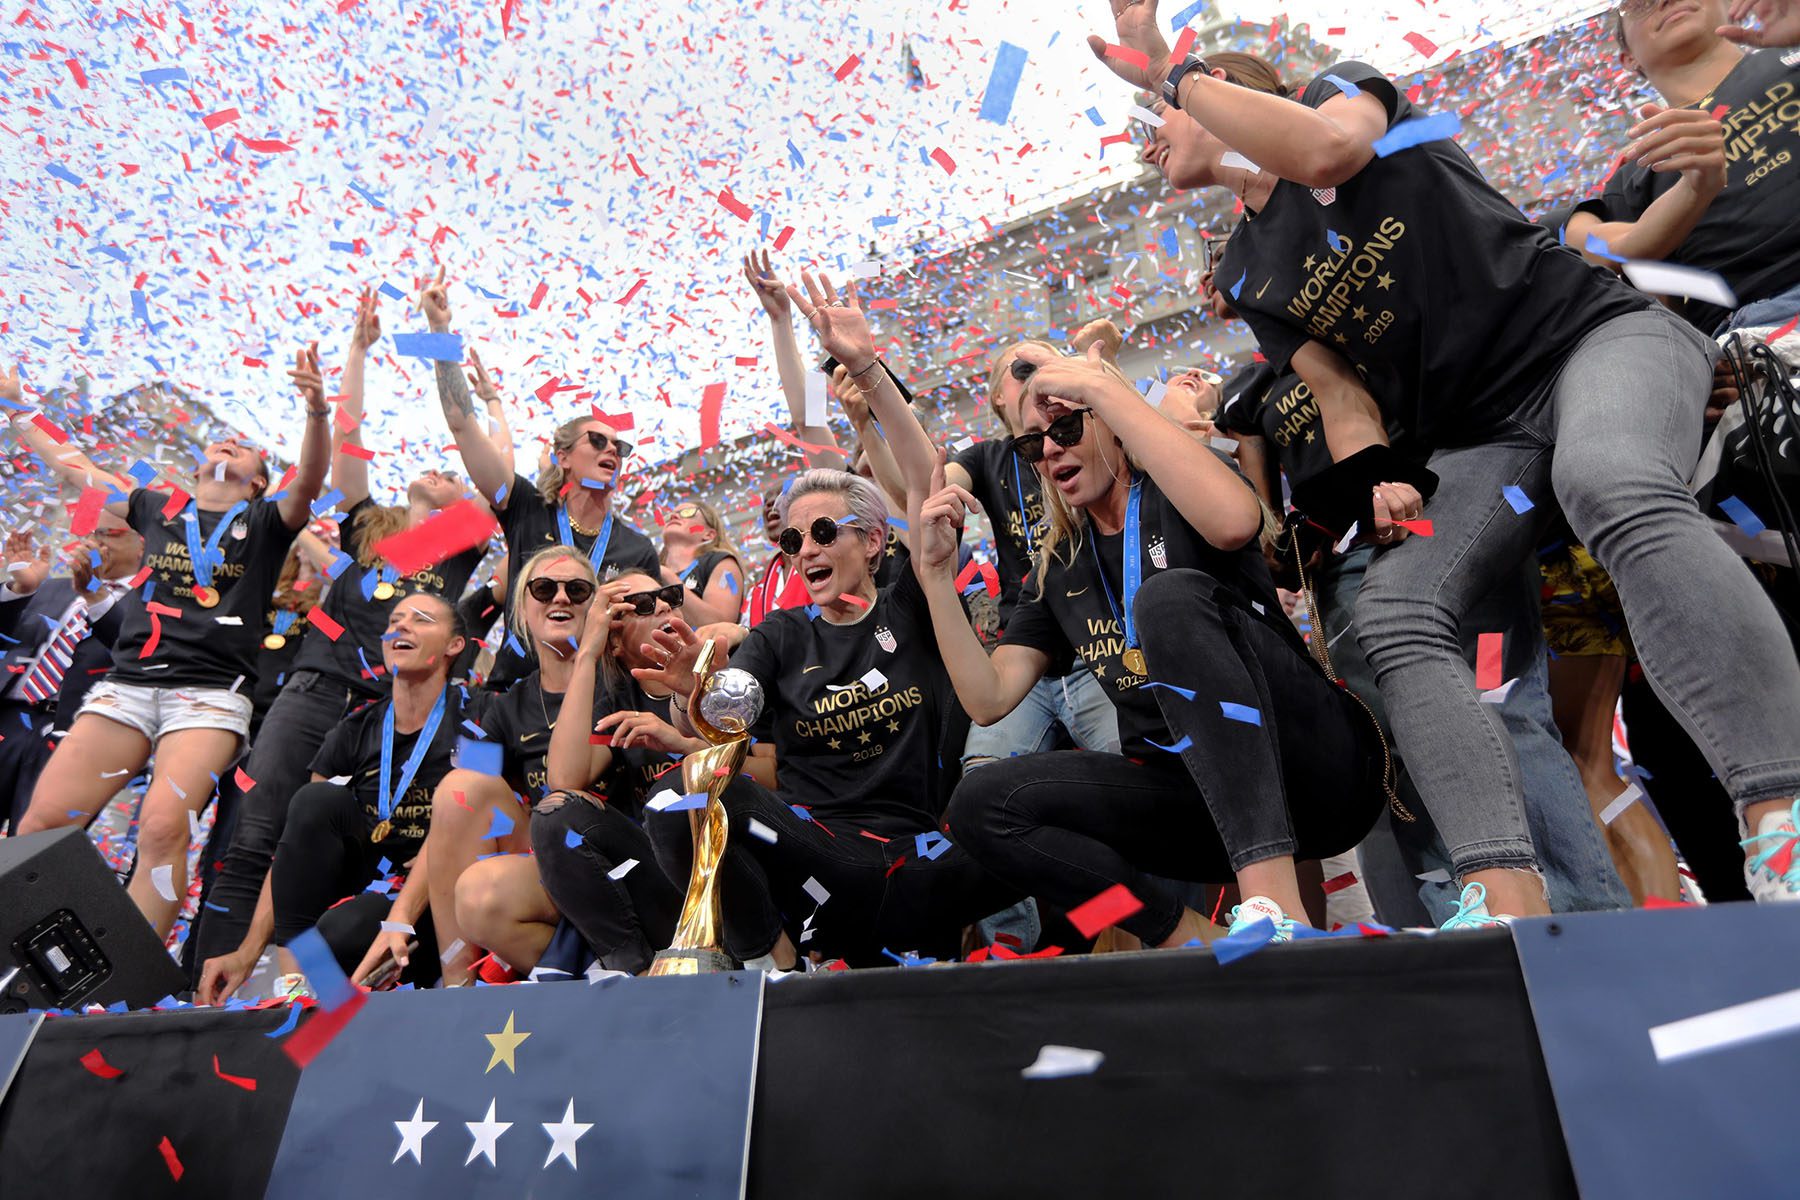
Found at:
[1623, 417]
[1577, 866]
[1077, 702]
[1776, 310]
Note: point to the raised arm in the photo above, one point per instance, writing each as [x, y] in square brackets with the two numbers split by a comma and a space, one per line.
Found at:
[788, 363]
[1316, 148]
[68, 462]
[573, 762]
[490, 469]
[499, 431]
[870, 436]
[296, 500]
[350, 473]
[1668, 139]
[989, 687]
[1207, 492]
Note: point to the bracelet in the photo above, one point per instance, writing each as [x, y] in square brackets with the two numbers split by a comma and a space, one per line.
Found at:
[318, 412]
[873, 363]
[658, 699]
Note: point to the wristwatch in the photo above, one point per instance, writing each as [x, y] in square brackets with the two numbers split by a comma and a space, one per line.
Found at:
[1171, 88]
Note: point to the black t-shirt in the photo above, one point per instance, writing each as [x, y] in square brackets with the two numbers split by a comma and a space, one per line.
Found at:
[1750, 234]
[351, 602]
[520, 720]
[204, 647]
[353, 749]
[891, 567]
[1454, 306]
[530, 525]
[1013, 497]
[636, 773]
[1073, 616]
[273, 666]
[1279, 408]
[861, 750]
[700, 572]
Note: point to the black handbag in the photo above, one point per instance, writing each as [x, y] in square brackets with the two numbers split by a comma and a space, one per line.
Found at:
[1753, 457]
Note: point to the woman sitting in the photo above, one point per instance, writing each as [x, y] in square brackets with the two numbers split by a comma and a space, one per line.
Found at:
[364, 817]
[848, 858]
[697, 553]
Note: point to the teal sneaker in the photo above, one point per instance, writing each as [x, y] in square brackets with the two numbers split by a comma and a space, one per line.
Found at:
[1260, 908]
[1773, 874]
[1472, 912]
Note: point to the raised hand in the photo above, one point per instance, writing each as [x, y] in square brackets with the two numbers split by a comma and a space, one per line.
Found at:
[1060, 384]
[856, 405]
[1680, 139]
[367, 330]
[1135, 22]
[306, 377]
[601, 613]
[434, 302]
[942, 518]
[1779, 22]
[10, 388]
[481, 381]
[843, 329]
[767, 286]
[26, 562]
[676, 651]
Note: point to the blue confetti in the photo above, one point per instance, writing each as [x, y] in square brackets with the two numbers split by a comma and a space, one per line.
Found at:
[1003, 83]
[930, 845]
[1416, 132]
[1245, 942]
[1177, 748]
[1597, 247]
[1179, 20]
[1184, 693]
[438, 347]
[1515, 496]
[484, 758]
[571, 839]
[63, 173]
[502, 825]
[1344, 85]
[321, 969]
[1237, 289]
[1741, 516]
[1240, 712]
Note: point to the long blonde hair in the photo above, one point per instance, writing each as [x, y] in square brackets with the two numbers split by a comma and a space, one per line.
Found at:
[516, 609]
[376, 523]
[1002, 363]
[715, 524]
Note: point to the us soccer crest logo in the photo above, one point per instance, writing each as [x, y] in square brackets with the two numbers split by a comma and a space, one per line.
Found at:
[885, 638]
[1159, 554]
[1325, 196]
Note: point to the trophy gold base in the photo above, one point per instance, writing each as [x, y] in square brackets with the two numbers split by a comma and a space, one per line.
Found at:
[675, 961]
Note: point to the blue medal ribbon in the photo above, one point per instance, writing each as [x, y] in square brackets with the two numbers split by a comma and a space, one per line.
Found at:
[205, 558]
[385, 798]
[598, 552]
[1024, 516]
[284, 621]
[1133, 572]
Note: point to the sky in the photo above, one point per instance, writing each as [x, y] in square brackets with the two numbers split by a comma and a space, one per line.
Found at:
[190, 192]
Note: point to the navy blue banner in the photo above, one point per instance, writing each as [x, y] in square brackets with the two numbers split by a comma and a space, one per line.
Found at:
[1672, 1038]
[629, 1087]
[16, 1032]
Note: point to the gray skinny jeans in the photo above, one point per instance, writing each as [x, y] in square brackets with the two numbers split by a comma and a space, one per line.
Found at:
[1623, 418]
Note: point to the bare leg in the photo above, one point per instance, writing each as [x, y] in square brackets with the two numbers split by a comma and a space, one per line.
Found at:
[501, 905]
[84, 772]
[186, 763]
[1584, 691]
[1512, 893]
[462, 815]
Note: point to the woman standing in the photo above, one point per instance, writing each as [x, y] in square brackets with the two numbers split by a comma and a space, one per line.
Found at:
[185, 660]
[1527, 374]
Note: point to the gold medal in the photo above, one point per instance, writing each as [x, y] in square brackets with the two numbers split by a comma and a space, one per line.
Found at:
[206, 597]
[274, 641]
[1134, 662]
[385, 590]
[382, 829]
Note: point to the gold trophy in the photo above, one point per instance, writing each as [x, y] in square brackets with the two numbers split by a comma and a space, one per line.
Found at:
[723, 707]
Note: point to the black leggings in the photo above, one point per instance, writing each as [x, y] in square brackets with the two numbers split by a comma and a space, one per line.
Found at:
[873, 904]
[325, 855]
[578, 843]
[1306, 782]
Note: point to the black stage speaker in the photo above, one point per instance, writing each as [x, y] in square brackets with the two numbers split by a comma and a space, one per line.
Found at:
[69, 934]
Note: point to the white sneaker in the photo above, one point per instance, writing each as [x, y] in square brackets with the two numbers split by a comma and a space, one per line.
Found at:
[1261, 908]
[1773, 873]
[293, 987]
[1472, 912]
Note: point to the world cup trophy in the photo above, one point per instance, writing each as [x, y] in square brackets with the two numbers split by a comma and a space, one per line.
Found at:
[723, 707]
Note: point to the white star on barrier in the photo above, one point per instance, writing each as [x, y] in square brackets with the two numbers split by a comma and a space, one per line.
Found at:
[563, 1136]
[486, 1133]
[412, 1134]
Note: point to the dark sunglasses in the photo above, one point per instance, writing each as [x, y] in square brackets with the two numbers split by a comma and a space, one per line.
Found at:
[824, 532]
[600, 441]
[579, 591]
[644, 603]
[1633, 10]
[1066, 431]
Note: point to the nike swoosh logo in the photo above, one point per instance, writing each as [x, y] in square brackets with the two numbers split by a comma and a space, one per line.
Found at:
[1072, 595]
[526, 737]
[1265, 287]
[805, 670]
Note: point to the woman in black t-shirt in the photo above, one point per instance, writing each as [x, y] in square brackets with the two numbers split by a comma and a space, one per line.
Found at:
[1241, 755]
[697, 553]
[848, 859]
[185, 660]
[1530, 377]
[330, 676]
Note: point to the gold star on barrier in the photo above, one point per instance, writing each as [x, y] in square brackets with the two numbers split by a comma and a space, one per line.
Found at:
[505, 1044]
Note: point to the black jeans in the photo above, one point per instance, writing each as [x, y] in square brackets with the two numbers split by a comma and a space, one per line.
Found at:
[324, 856]
[875, 903]
[578, 843]
[23, 753]
[1306, 782]
[309, 706]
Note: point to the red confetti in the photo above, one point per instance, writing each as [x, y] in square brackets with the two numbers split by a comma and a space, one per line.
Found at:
[356, 451]
[76, 73]
[1126, 54]
[157, 613]
[1782, 332]
[1422, 44]
[1422, 526]
[96, 1064]
[1338, 883]
[1488, 669]
[781, 239]
[85, 515]
[626, 298]
[244, 781]
[51, 429]
[851, 598]
[712, 402]
[537, 296]
[1108, 908]
[177, 501]
[169, 1156]
[321, 621]
[943, 159]
[1659, 902]
[850, 64]
[733, 205]
[264, 145]
[447, 533]
[224, 116]
[1183, 44]
[249, 1085]
[305, 1043]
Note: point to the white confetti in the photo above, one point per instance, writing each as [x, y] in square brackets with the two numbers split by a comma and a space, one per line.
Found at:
[759, 830]
[1061, 1062]
[1231, 158]
[1625, 800]
[1667, 279]
[816, 890]
[397, 927]
[163, 880]
[622, 870]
